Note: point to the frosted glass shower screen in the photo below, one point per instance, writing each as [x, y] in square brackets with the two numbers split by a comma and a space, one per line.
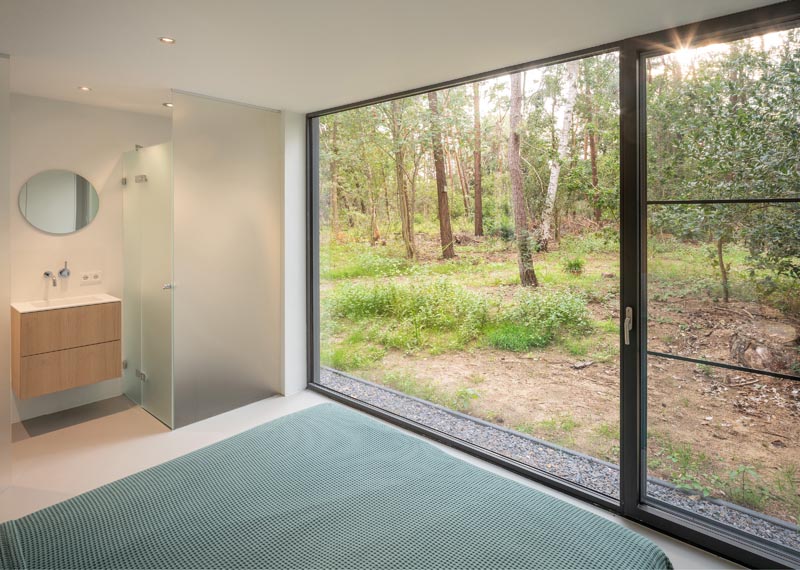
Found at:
[147, 303]
[228, 196]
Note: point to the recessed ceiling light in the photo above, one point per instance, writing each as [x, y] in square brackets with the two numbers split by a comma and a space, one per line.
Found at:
[84, 88]
[168, 105]
[166, 40]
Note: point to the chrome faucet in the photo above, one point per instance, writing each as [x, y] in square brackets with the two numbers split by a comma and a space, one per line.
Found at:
[64, 272]
[50, 275]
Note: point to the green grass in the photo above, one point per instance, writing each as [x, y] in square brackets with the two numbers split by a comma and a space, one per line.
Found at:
[347, 357]
[460, 400]
[558, 429]
[607, 430]
[513, 337]
[352, 261]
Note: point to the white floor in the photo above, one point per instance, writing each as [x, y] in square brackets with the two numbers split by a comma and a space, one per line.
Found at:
[55, 466]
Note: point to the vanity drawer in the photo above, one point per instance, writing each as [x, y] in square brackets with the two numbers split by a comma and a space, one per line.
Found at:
[64, 369]
[59, 329]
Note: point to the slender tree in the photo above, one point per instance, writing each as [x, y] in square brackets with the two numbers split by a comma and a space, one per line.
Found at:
[404, 201]
[445, 231]
[334, 181]
[476, 107]
[571, 81]
[527, 275]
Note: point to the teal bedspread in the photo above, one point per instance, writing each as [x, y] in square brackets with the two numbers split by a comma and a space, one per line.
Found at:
[327, 487]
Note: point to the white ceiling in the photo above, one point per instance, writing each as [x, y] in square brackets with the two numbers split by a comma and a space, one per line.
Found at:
[302, 55]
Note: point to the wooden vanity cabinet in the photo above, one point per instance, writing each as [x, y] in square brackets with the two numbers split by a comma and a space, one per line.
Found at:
[58, 349]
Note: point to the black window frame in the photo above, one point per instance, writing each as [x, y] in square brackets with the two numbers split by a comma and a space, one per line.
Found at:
[633, 504]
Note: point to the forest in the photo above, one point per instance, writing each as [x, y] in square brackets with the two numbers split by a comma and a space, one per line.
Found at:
[469, 256]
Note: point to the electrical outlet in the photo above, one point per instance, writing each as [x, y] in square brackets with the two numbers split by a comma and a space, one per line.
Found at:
[91, 277]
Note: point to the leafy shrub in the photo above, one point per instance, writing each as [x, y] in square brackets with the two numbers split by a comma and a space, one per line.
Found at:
[359, 301]
[538, 318]
[503, 230]
[464, 397]
[744, 488]
[574, 265]
[434, 305]
[555, 311]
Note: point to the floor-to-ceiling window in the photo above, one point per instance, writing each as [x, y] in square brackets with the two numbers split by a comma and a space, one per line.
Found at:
[469, 258]
[468, 277]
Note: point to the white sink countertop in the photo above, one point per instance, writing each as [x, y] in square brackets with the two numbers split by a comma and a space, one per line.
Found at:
[63, 303]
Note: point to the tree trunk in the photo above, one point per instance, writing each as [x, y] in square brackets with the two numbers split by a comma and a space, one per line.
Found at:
[375, 234]
[723, 272]
[334, 183]
[445, 231]
[545, 233]
[527, 275]
[593, 160]
[403, 199]
[476, 105]
[386, 194]
[462, 177]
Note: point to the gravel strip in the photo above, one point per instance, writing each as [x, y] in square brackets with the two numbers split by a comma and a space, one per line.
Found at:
[577, 468]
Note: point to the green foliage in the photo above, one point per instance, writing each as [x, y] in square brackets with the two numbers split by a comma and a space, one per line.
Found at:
[558, 429]
[724, 131]
[787, 489]
[350, 356]
[608, 431]
[367, 264]
[460, 400]
[551, 312]
[586, 244]
[413, 308]
[744, 487]
[513, 337]
[574, 265]
[537, 318]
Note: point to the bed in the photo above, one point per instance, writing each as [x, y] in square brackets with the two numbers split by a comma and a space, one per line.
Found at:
[327, 487]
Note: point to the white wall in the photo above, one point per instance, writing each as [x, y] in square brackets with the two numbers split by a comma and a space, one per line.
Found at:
[228, 185]
[48, 134]
[5, 326]
[294, 253]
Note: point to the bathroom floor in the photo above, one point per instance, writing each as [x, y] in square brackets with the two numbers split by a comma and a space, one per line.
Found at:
[63, 455]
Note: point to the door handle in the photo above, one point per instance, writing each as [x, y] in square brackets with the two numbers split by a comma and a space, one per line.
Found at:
[167, 286]
[627, 326]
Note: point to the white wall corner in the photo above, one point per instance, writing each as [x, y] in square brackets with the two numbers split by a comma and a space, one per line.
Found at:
[5, 281]
[293, 247]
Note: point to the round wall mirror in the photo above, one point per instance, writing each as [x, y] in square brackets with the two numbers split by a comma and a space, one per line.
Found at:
[58, 201]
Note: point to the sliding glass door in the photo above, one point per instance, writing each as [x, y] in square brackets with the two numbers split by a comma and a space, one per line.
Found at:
[586, 270]
[723, 285]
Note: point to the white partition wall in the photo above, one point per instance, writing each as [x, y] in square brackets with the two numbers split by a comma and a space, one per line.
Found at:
[228, 183]
[5, 327]
[294, 253]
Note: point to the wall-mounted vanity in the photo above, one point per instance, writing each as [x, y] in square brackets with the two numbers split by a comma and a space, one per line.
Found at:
[59, 344]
